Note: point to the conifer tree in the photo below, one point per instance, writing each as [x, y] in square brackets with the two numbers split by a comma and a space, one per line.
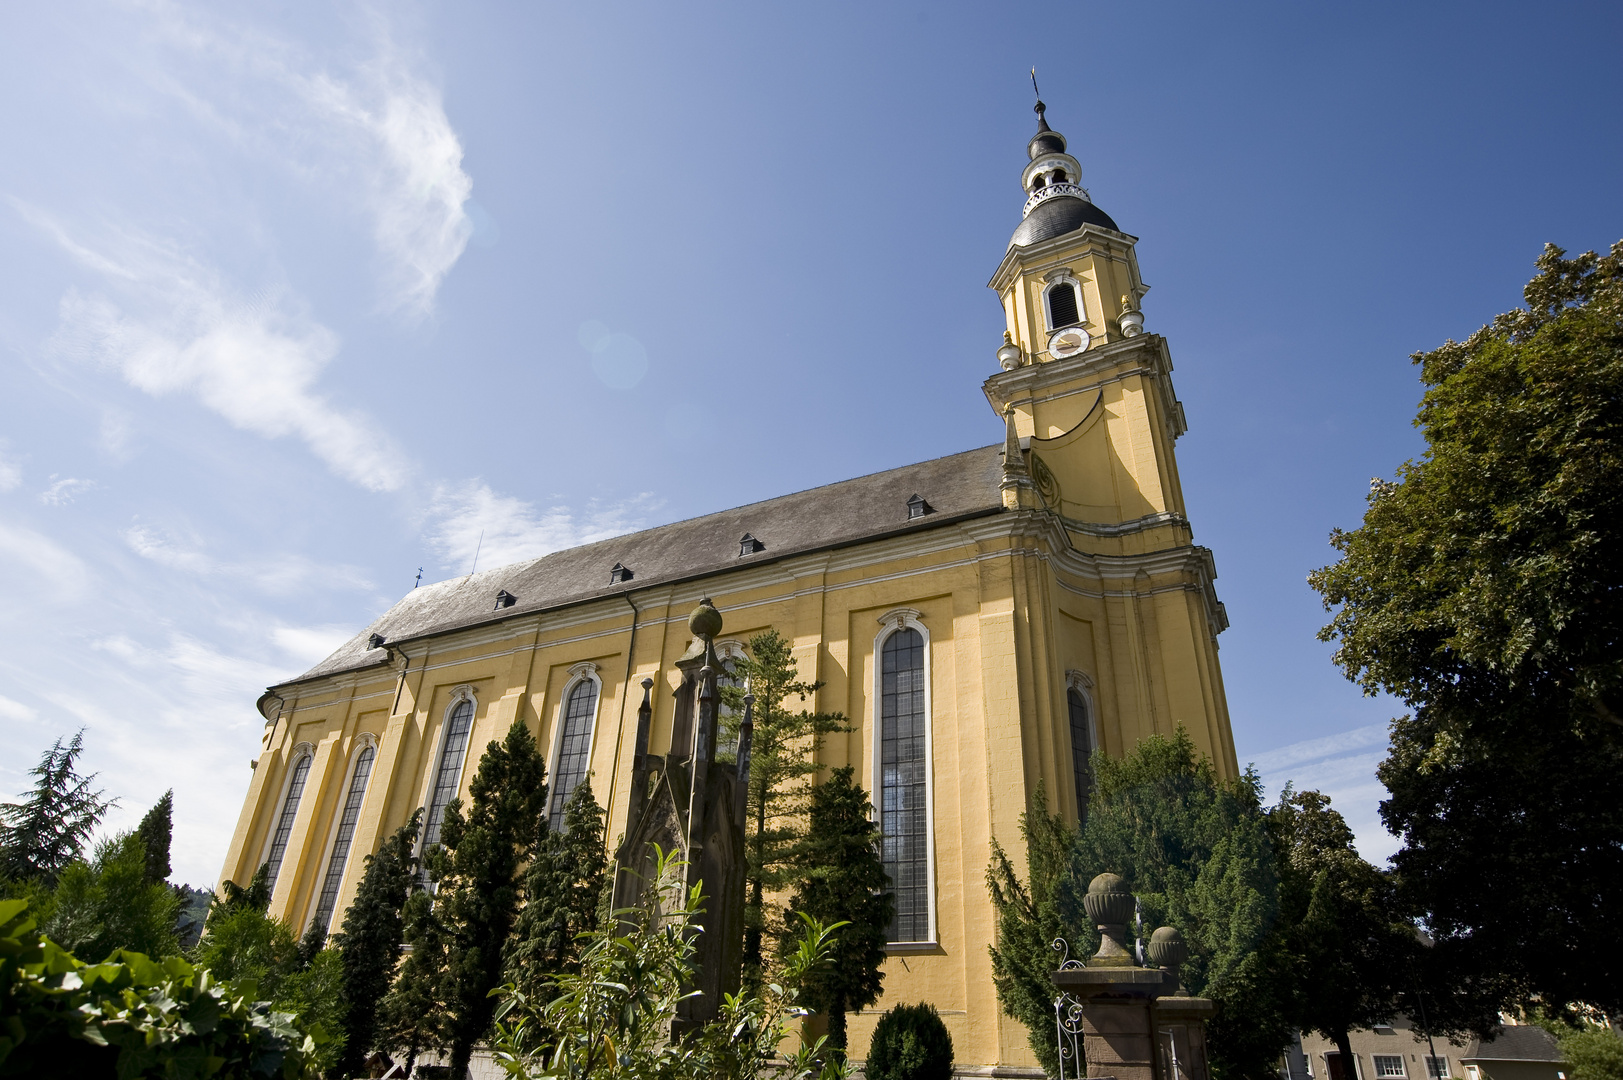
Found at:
[413, 1016]
[843, 880]
[563, 897]
[369, 941]
[106, 903]
[783, 759]
[478, 868]
[156, 831]
[45, 832]
[256, 896]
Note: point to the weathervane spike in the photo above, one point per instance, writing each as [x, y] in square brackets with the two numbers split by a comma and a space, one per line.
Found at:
[1039, 108]
[1034, 89]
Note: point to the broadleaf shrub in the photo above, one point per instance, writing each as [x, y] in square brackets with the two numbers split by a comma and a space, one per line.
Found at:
[132, 1016]
[910, 1043]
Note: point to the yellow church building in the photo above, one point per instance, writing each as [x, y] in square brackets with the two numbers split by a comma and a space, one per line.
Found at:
[985, 621]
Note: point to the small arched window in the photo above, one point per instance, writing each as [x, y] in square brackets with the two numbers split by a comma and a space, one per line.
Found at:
[574, 747]
[284, 823]
[1063, 309]
[1059, 176]
[1081, 750]
[448, 778]
[346, 834]
[904, 807]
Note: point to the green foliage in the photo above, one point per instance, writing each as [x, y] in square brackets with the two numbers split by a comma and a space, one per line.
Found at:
[43, 834]
[109, 903]
[412, 1017]
[156, 832]
[612, 1019]
[1352, 954]
[477, 869]
[910, 1043]
[1197, 853]
[843, 882]
[369, 941]
[1031, 916]
[246, 945]
[563, 897]
[783, 760]
[234, 897]
[1595, 1052]
[314, 996]
[132, 1017]
[1482, 589]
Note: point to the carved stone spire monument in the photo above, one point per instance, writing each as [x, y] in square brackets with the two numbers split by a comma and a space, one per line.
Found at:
[689, 803]
[1127, 1021]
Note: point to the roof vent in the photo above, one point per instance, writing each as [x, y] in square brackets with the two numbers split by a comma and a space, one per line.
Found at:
[618, 573]
[917, 507]
[505, 599]
[749, 545]
[375, 641]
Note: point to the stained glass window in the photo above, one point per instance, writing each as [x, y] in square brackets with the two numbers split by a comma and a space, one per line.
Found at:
[346, 833]
[573, 747]
[903, 815]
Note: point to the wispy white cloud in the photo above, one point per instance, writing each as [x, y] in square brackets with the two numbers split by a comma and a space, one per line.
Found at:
[376, 130]
[16, 710]
[309, 645]
[1341, 766]
[11, 471]
[276, 574]
[471, 517]
[252, 359]
[64, 491]
[37, 559]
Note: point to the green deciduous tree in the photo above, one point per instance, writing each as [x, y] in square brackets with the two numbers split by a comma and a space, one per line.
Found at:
[1031, 915]
[1352, 954]
[1196, 852]
[477, 870]
[48, 830]
[412, 1017]
[563, 897]
[1485, 589]
[244, 943]
[783, 760]
[107, 903]
[841, 880]
[156, 831]
[369, 941]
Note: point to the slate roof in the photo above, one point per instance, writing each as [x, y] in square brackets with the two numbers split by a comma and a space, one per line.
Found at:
[1520, 1042]
[1056, 217]
[867, 508]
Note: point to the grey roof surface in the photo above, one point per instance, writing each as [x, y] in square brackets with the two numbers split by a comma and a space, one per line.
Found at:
[1523, 1042]
[1056, 217]
[866, 508]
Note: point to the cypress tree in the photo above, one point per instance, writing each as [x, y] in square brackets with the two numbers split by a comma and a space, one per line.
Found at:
[842, 879]
[45, 832]
[783, 759]
[413, 1016]
[156, 830]
[370, 939]
[564, 893]
[478, 872]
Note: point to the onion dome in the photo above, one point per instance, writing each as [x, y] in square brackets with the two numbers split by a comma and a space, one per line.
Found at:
[1056, 202]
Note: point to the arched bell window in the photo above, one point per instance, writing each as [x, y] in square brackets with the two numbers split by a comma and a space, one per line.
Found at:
[1064, 305]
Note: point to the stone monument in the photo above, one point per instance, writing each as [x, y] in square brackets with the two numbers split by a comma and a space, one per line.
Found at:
[1125, 1020]
[689, 803]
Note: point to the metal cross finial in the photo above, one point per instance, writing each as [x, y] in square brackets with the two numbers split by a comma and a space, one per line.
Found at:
[419, 580]
[1034, 89]
[1039, 108]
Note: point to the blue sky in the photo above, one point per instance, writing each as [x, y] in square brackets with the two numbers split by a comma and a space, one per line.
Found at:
[297, 298]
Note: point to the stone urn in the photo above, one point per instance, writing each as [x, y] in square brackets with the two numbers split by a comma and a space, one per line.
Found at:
[1109, 905]
[1167, 950]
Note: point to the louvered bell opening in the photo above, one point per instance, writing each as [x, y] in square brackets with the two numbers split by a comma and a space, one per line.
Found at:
[1062, 305]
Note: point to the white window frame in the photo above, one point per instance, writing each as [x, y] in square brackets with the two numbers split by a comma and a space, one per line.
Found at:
[300, 750]
[889, 623]
[1381, 1073]
[1064, 277]
[362, 741]
[586, 671]
[459, 694]
[1434, 1073]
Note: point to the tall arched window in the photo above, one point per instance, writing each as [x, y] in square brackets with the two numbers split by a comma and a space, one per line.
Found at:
[284, 823]
[1081, 749]
[574, 747]
[904, 796]
[346, 833]
[449, 776]
[1063, 308]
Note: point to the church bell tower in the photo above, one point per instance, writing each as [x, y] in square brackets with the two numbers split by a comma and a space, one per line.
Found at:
[1086, 392]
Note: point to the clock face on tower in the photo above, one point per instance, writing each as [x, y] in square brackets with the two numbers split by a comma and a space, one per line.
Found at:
[1067, 342]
